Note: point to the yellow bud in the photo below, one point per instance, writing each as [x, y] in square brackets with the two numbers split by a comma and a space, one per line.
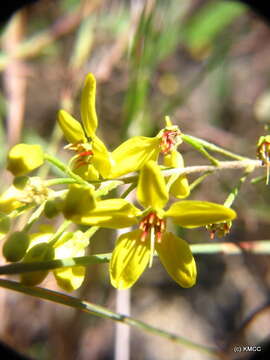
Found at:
[39, 252]
[4, 224]
[79, 199]
[24, 158]
[16, 246]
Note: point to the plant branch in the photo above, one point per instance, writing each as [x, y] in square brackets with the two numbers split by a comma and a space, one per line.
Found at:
[97, 310]
[229, 248]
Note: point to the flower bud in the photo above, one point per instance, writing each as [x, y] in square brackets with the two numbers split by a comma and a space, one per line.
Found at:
[52, 208]
[20, 182]
[4, 223]
[79, 200]
[23, 158]
[39, 252]
[16, 246]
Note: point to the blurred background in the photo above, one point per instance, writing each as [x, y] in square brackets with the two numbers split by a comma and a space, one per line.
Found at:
[207, 65]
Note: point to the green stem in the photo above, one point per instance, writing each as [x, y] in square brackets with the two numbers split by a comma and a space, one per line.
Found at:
[194, 141]
[255, 247]
[63, 167]
[199, 180]
[60, 181]
[97, 310]
[233, 194]
[128, 190]
[34, 217]
[197, 144]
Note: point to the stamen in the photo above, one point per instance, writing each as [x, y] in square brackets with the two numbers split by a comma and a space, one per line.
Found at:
[152, 246]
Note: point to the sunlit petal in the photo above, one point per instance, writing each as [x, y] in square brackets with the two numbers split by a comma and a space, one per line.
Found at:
[111, 213]
[176, 257]
[71, 128]
[179, 184]
[133, 154]
[190, 213]
[151, 190]
[129, 259]
[88, 106]
[101, 160]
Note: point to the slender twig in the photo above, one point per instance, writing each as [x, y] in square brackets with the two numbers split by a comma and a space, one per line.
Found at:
[222, 165]
[104, 313]
[211, 147]
[63, 167]
[229, 248]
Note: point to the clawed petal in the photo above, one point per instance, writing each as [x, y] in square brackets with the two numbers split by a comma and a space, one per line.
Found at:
[179, 184]
[71, 128]
[191, 213]
[176, 257]
[129, 259]
[88, 107]
[101, 157]
[151, 191]
[133, 154]
[111, 213]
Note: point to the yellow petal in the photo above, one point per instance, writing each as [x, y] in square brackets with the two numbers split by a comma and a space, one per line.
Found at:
[71, 128]
[79, 200]
[192, 213]
[151, 190]
[179, 184]
[132, 154]
[176, 257]
[111, 213]
[101, 157]
[10, 200]
[70, 245]
[86, 171]
[23, 158]
[71, 278]
[129, 259]
[88, 107]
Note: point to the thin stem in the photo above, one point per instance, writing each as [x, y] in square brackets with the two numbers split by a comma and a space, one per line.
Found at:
[128, 190]
[63, 167]
[97, 310]
[261, 247]
[223, 165]
[34, 217]
[199, 180]
[192, 140]
[60, 181]
[233, 194]
[197, 144]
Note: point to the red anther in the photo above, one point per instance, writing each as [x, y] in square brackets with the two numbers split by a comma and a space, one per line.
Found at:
[143, 236]
[85, 153]
[162, 225]
[159, 236]
[151, 218]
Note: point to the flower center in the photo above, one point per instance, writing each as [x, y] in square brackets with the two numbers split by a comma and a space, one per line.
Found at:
[170, 139]
[84, 153]
[263, 152]
[151, 223]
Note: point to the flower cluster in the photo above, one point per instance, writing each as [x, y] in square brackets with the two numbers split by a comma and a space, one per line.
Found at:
[94, 171]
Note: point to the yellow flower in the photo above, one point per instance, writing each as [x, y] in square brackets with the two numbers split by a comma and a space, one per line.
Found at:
[135, 249]
[136, 151]
[92, 156]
